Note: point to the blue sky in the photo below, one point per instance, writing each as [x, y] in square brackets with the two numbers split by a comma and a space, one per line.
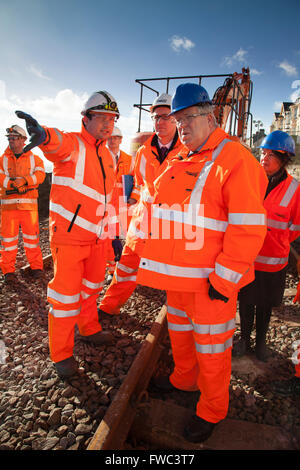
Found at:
[55, 54]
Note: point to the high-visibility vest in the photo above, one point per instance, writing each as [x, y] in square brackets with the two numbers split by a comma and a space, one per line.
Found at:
[209, 220]
[82, 184]
[283, 225]
[30, 167]
[147, 168]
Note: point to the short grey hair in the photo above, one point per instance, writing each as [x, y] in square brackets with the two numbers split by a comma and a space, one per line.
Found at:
[209, 109]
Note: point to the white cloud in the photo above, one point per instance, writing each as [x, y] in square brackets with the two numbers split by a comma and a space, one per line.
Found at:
[238, 57]
[62, 111]
[287, 68]
[255, 72]
[277, 106]
[37, 72]
[296, 93]
[181, 43]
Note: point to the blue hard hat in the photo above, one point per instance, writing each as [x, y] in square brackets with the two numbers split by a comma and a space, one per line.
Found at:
[188, 94]
[280, 141]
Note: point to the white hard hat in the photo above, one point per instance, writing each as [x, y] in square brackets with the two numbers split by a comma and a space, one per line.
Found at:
[101, 102]
[16, 130]
[162, 100]
[116, 132]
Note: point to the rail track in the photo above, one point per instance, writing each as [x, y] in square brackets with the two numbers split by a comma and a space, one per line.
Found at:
[137, 417]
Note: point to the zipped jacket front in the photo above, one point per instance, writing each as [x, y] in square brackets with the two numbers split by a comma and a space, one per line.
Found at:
[208, 208]
[82, 184]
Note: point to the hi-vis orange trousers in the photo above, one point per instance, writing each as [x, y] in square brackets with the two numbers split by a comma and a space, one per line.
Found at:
[79, 272]
[201, 332]
[123, 282]
[11, 220]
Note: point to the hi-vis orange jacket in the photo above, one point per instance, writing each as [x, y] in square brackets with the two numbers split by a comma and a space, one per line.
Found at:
[209, 208]
[82, 184]
[31, 167]
[283, 221]
[147, 168]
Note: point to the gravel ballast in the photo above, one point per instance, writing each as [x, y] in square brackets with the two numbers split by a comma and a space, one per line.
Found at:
[39, 411]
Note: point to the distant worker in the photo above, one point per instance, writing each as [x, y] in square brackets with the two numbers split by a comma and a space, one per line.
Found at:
[210, 197]
[82, 184]
[151, 159]
[282, 203]
[290, 386]
[123, 166]
[21, 173]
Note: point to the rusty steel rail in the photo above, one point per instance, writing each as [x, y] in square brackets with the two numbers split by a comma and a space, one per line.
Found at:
[46, 261]
[115, 425]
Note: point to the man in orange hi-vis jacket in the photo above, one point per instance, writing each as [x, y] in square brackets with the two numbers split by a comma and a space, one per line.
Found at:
[151, 159]
[123, 164]
[208, 206]
[20, 176]
[82, 184]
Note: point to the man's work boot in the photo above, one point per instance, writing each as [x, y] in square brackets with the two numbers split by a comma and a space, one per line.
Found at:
[104, 315]
[288, 387]
[10, 278]
[66, 368]
[198, 429]
[99, 338]
[163, 384]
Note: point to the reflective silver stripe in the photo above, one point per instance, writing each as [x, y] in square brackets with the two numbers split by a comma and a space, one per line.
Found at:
[5, 165]
[19, 201]
[295, 228]
[63, 313]
[9, 239]
[143, 167]
[235, 218]
[289, 193]
[216, 329]
[198, 188]
[176, 327]
[34, 179]
[64, 299]
[80, 188]
[6, 181]
[32, 164]
[126, 269]
[173, 270]
[30, 245]
[277, 224]
[227, 274]
[176, 311]
[269, 260]
[124, 279]
[213, 348]
[92, 285]
[135, 231]
[59, 136]
[30, 237]
[10, 248]
[80, 164]
[66, 214]
[189, 218]
[39, 168]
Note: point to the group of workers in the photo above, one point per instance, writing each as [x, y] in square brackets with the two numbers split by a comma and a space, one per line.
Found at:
[210, 226]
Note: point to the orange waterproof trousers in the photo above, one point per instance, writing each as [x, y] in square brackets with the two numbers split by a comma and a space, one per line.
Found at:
[123, 283]
[28, 220]
[79, 272]
[201, 332]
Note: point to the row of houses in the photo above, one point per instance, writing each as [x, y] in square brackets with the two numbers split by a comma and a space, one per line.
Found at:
[288, 119]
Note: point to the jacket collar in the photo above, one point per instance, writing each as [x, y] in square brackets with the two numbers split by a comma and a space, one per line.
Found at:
[89, 138]
[9, 153]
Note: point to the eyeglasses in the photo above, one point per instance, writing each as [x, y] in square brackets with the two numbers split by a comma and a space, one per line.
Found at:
[105, 119]
[163, 117]
[188, 118]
